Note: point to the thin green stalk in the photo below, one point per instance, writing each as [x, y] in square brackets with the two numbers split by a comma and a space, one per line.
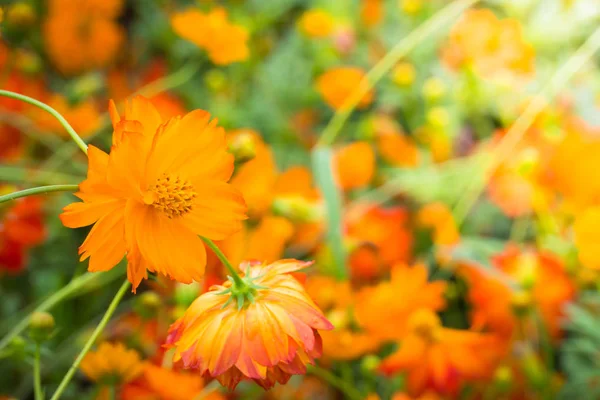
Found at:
[38, 190]
[112, 392]
[236, 277]
[524, 122]
[345, 387]
[88, 345]
[208, 389]
[72, 287]
[401, 49]
[37, 374]
[50, 110]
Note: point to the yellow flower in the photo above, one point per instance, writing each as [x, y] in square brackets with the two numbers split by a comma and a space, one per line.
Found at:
[316, 24]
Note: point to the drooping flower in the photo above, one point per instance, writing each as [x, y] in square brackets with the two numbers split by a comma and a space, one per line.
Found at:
[162, 185]
[224, 41]
[316, 23]
[21, 227]
[165, 384]
[82, 35]
[439, 358]
[111, 363]
[384, 309]
[266, 331]
[337, 85]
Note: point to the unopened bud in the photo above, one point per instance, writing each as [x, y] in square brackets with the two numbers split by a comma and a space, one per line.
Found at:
[434, 89]
[521, 302]
[147, 304]
[17, 346]
[503, 378]
[370, 363]
[27, 61]
[20, 15]
[215, 79]
[41, 326]
[243, 148]
[404, 74]
[185, 294]
[297, 209]
[84, 87]
[338, 318]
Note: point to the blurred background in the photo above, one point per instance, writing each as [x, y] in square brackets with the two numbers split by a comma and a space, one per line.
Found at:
[452, 206]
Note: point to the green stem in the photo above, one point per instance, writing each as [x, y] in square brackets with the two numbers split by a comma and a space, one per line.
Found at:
[401, 49]
[349, 391]
[112, 392]
[38, 190]
[88, 345]
[236, 277]
[37, 375]
[74, 286]
[208, 389]
[50, 110]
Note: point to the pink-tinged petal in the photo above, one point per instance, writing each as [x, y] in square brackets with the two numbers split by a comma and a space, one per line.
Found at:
[287, 266]
[300, 308]
[227, 345]
[307, 337]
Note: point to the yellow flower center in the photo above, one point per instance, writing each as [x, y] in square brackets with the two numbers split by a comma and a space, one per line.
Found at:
[426, 325]
[171, 195]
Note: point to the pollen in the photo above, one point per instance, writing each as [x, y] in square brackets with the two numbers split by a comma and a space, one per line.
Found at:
[171, 195]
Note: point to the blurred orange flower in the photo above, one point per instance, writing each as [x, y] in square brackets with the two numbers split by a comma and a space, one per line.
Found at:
[83, 117]
[111, 362]
[587, 232]
[385, 308]
[493, 47]
[381, 238]
[337, 85]
[21, 227]
[267, 339]
[439, 358]
[397, 149]
[225, 42]
[81, 35]
[144, 197]
[438, 217]
[355, 165]
[371, 12]
[165, 384]
[316, 23]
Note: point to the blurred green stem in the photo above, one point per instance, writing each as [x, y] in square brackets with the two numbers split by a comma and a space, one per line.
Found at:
[345, 387]
[38, 190]
[50, 110]
[37, 374]
[88, 345]
[73, 287]
[208, 389]
[401, 49]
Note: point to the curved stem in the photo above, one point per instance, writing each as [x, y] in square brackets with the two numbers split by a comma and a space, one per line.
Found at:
[401, 49]
[88, 345]
[236, 277]
[349, 391]
[50, 110]
[37, 374]
[38, 190]
[50, 302]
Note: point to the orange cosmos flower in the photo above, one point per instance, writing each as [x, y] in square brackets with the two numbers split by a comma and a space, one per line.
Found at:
[355, 165]
[397, 149]
[316, 24]
[112, 361]
[384, 309]
[82, 35]
[337, 84]
[371, 12]
[225, 42]
[165, 384]
[495, 48]
[267, 339]
[587, 231]
[162, 185]
[439, 358]
[438, 217]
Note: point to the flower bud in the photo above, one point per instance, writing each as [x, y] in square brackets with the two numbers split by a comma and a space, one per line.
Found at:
[243, 148]
[297, 209]
[503, 378]
[370, 363]
[17, 347]
[21, 15]
[434, 89]
[27, 61]
[147, 304]
[411, 7]
[215, 79]
[521, 302]
[404, 74]
[185, 294]
[41, 326]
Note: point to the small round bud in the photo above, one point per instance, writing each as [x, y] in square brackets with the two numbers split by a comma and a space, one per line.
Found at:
[17, 346]
[147, 304]
[339, 318]
[297, 209]
[370, 363]
[185, 294]
[434, 89]
[438, 117]
[21, 15]
[411, 6]
[243, 148]
[404, 74]
[503, 378]
[215, 79]
[41, 326]
[521, 302]
[27, 61]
